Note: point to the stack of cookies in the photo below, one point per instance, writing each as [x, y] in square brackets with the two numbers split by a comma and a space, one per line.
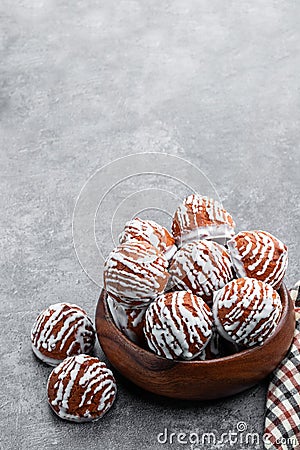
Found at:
[199, 292]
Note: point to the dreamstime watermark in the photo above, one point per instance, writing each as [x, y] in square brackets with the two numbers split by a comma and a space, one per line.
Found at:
[135, 185]
[238, 435]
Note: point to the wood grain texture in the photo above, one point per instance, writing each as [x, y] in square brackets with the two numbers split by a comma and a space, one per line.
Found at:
[197, 380]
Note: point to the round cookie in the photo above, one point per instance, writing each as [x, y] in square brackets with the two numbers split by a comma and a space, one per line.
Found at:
[151, 232]
[259, 255]
[62, 330]
[200, 217]
[178, 325]
[202, 267]
[81, 389]
[135, 271]
[246, 311]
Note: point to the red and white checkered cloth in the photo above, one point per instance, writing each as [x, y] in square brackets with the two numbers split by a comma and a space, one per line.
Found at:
[282, 422]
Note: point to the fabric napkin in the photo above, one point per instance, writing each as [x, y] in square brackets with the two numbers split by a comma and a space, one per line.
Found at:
[282, 420]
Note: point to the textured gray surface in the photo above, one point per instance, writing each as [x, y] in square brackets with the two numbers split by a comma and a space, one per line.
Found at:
[85, 82]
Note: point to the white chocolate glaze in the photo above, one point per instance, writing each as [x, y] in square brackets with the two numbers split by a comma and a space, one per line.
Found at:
[246, 311]
[217, 233]
[81, 378]
[178, 325]
[212, 349]
[260, 255]
[200, 217]
[128, 319]
[135, 270]
[202, 267]
[45, 359]
[151, 232]
[62, 329]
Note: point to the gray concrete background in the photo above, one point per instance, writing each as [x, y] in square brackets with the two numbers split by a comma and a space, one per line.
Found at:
[85, 82]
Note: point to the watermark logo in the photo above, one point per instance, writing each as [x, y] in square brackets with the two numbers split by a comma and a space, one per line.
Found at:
[239, 435]
[148, 185]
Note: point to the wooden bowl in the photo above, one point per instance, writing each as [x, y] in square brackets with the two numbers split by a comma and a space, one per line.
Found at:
[195, 380]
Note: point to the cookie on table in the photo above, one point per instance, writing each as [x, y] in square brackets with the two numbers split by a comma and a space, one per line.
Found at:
[62, 330]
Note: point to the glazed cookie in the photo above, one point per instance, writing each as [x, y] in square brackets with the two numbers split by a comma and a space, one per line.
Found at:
[200, 217]
[178, 325]
[246, 311]
[202, 267]
[259, 255]
[135, 272]
[81, 389]
[62, 330]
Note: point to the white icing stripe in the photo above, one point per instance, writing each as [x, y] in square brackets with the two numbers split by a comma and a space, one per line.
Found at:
[202, 267]
[217, 233]
[260, 255]
[170, 252]
[95, 377]
[275, 277]
[178, 325]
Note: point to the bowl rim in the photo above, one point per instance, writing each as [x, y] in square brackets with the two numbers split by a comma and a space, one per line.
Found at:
[287, 304]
